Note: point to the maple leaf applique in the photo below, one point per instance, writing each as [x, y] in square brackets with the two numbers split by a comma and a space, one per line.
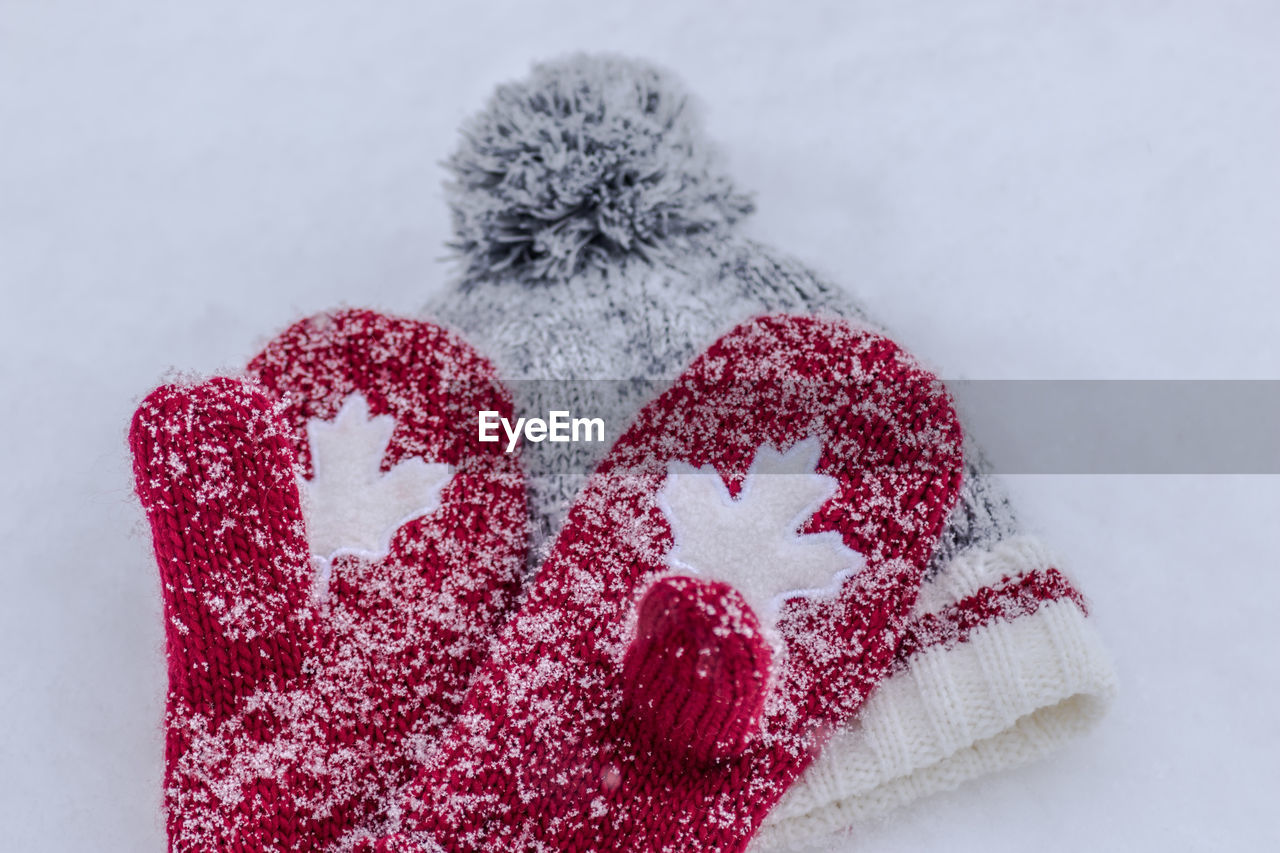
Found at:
[350, 504]
[751, 542]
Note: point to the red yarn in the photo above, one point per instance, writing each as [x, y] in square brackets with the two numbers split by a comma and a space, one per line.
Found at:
[1004, 600]
[295, 713]
[559, 744]
[694, 677]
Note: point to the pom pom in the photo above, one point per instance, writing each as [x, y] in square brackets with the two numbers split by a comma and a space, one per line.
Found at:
[590, 161]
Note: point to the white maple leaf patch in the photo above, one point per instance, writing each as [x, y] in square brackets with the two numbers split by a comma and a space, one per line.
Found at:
[350, 504]
[752, 542]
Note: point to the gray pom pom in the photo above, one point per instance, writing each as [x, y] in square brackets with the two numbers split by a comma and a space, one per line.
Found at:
[592, 160]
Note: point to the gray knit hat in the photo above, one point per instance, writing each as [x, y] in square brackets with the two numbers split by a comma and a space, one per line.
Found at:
[596, 237]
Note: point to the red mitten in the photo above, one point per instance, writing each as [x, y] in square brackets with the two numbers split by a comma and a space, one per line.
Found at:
[729, 586]
[336, 549]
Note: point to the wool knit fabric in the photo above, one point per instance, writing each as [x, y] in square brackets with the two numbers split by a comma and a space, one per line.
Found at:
[716, 602]
[589, 330]
[335, 552]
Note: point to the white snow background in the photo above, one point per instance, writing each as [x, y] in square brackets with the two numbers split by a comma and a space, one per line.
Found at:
[1020, 189]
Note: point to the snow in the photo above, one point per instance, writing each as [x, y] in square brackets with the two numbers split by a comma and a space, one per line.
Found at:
[1052, 190]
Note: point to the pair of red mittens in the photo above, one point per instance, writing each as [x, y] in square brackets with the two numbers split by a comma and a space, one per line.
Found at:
[730, 585]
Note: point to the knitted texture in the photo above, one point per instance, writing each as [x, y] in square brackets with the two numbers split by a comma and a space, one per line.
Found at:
[692, 681]
[303, 684]
[586, 165]
[999, 666]
[807, 465]
[638, 310]
[647, 316]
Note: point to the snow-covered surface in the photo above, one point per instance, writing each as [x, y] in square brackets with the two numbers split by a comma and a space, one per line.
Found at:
[1047, 190]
